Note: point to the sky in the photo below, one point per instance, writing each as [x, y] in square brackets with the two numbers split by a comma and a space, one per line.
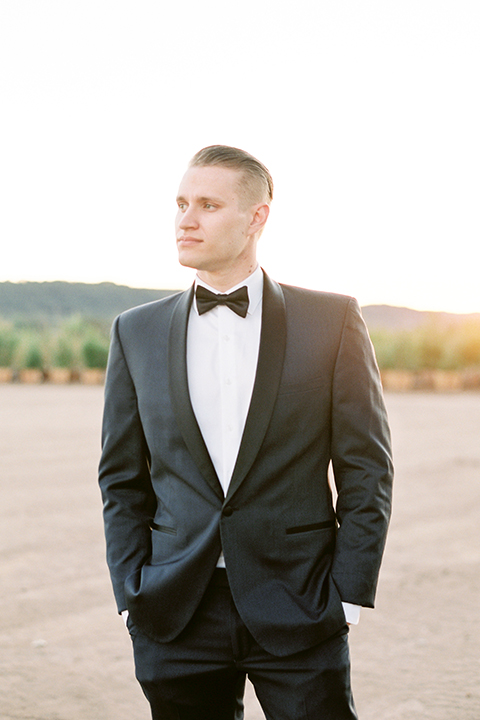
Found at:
[366, 112]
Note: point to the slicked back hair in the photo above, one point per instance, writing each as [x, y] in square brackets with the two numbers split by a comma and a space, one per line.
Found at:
[256, 180]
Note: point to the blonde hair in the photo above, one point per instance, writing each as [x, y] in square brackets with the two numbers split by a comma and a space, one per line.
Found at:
[256, 180]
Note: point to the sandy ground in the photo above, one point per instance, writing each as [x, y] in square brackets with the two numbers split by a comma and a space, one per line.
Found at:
[64, 653]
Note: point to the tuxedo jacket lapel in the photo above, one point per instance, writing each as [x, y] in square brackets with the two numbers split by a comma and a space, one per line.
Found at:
[267, 380]
[177, 368]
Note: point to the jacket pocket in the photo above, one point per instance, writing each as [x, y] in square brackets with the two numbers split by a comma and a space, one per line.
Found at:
[311, 526]
[301, 387]
[164, 529]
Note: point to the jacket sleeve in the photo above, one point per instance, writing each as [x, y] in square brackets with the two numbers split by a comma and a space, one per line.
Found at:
[362, 463]
[124, 474]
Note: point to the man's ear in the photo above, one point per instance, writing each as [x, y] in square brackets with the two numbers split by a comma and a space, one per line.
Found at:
[259, 218]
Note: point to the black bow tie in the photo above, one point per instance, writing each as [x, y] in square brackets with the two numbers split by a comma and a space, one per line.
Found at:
[236, 301]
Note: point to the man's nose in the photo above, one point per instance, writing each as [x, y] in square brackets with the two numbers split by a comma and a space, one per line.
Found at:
[188, 219]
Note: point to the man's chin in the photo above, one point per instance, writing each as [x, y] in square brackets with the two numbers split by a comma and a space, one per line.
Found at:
[187, 261]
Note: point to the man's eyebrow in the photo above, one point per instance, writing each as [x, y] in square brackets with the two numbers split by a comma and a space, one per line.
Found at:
[210, 200]
[202, 199]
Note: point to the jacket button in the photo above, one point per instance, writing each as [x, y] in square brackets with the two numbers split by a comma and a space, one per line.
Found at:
[228, 511]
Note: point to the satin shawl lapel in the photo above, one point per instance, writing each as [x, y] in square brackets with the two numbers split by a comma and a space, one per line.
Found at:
[267, 380]
[177, 367]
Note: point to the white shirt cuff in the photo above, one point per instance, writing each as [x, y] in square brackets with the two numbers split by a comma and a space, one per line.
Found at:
[125, 616]
[352, 613]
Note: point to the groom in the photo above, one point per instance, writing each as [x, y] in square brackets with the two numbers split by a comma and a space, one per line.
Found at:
[224, 407]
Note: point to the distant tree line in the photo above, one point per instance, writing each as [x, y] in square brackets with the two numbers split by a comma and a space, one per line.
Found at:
[76, 343]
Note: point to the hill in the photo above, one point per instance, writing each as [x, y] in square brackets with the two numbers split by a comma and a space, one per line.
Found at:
[54, 301]
[387, 317]
[50, 302]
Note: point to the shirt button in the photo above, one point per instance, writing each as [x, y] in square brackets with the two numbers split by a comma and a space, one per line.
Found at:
[228, 381]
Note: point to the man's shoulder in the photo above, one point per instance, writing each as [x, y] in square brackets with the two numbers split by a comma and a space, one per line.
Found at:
[150, 314]
[154, 308]
[323, 298]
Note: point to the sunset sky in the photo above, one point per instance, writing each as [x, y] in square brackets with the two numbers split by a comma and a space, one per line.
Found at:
[367, 113]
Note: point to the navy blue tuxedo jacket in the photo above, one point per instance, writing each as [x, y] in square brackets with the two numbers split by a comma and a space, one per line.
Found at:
[291, 556]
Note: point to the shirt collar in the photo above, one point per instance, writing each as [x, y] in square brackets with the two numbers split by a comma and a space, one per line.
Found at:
[254, 283]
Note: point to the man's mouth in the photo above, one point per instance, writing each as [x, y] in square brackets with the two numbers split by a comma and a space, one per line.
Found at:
[188, 240]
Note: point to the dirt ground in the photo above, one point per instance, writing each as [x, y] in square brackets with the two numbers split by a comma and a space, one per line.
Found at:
[64, 653]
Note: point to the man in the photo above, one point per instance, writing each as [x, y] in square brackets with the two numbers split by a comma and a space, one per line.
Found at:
[225, 549]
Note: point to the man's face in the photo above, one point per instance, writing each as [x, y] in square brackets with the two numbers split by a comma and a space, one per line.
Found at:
[214, 220]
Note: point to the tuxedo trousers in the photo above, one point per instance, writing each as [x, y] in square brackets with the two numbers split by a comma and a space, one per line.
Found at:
[201, 674]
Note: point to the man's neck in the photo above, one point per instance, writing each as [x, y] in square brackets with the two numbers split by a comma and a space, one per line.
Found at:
[223, 282]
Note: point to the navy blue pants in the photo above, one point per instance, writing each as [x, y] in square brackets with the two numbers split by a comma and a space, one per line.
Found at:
[201, 674]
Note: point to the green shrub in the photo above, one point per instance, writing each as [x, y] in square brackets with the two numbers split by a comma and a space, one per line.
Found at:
[431, 348]
[63, 355]
[33, 358]
[8, 345]
[95, 352]
[396, 350]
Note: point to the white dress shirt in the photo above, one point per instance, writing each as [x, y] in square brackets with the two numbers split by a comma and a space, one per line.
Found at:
[222, 355]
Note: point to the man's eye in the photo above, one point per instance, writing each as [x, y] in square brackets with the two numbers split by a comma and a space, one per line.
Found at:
[209, 206]
[182, 206]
